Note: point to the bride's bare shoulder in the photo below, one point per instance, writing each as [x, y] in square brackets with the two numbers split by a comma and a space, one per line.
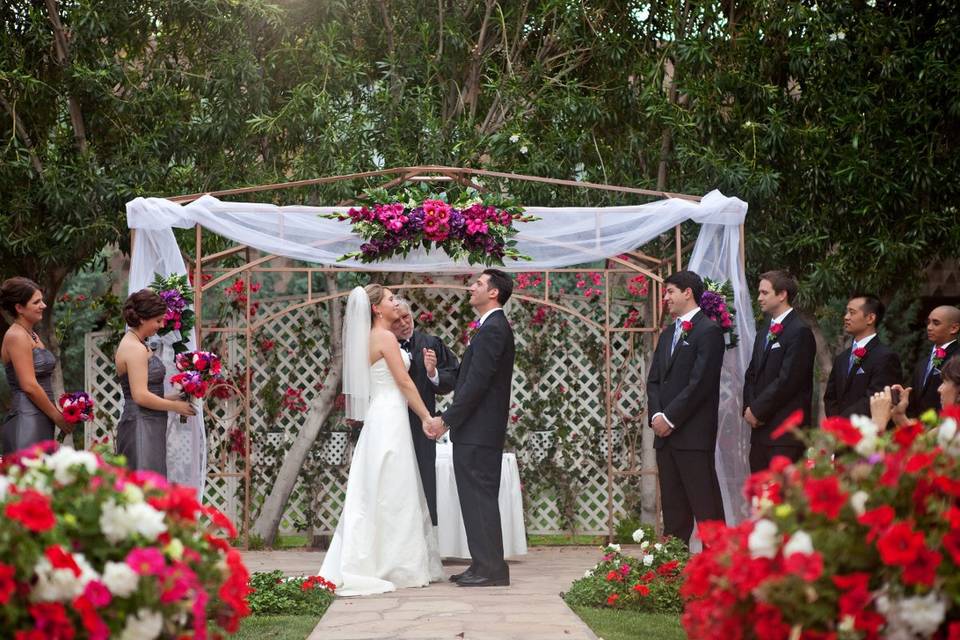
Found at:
[384, 336]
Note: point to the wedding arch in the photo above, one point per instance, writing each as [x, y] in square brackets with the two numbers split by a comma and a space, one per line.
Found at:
[267, 298]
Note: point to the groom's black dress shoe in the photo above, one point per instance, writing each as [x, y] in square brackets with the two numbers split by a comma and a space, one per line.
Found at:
[456, 577]
[480, 581]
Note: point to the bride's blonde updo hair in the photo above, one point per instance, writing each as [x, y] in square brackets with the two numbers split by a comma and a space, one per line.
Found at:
[375, 294]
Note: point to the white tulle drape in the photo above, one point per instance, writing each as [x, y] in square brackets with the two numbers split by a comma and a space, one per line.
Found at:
[153, 253]
[564, 236]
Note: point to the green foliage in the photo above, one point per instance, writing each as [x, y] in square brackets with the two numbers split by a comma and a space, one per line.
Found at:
[623, 534]
[650, 583]
[274, 594]
[293, 627]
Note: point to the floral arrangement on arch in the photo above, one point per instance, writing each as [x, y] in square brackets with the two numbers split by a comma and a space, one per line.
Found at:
[177, 294]
[718, 305]
[861, 540]
[475, 228]
[92, 550]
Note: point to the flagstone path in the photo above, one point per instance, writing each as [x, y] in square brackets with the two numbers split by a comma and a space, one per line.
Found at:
[530, 608]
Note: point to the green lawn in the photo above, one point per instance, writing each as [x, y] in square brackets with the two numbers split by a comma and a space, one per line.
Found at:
[613, 624]
[276, 627]
[534, 540]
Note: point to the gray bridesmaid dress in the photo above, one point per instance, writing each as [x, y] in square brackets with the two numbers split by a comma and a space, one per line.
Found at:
[142, 433]
[26, 424]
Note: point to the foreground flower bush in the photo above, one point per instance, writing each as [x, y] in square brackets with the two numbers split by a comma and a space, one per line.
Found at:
[861, 540]
[277, 595]
[92, 550]
[650, 582]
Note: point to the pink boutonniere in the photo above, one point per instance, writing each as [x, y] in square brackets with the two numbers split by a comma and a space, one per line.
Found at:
[775, 330]
[858, 355]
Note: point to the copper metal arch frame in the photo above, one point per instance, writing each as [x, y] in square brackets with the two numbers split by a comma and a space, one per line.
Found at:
[463, 176]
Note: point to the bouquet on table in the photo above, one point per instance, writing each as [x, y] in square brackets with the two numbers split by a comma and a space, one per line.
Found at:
[477, 228]
[717, 303]
[199, 370]
[177, 293]
[859, 540]
[93, 550]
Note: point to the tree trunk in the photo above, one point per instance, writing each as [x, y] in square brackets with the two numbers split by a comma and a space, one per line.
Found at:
[275, 504]
[825, 355]
[62, 50]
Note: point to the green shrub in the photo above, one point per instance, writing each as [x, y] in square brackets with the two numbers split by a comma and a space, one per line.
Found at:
[625, 529]
[650, 583]
[273, 594]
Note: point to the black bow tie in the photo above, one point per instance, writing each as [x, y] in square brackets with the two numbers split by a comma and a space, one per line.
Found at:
[405, 345]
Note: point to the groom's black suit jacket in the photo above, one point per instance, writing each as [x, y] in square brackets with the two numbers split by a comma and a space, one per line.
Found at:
[426, 449]
[481, 401]
[926, 396]
[685, 387]
[779, 379]
[850, 394]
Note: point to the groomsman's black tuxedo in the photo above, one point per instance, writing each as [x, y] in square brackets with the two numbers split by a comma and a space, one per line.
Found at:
[685, 387]
[850, 394]
[779, 380]
[924, 394]
[477, 418]
[426, 448]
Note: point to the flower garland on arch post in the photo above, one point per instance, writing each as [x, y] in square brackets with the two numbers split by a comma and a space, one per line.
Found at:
[477, 228]
[717, 303]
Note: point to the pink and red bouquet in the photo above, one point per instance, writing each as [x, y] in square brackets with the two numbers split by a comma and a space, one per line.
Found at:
[199, 370]
[93, 550]
[177, 294]
[859, 540]
[717, 303]
[76, 407]
[477, 229]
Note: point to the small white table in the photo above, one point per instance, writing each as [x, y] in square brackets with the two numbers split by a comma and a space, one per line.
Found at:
[451, 533]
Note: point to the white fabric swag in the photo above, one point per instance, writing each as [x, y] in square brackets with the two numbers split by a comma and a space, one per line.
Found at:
[563, 237]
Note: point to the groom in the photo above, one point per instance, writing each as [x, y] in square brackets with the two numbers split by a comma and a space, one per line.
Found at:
[477, 420]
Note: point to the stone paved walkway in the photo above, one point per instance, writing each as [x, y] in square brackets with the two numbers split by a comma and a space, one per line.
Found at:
[530, 608]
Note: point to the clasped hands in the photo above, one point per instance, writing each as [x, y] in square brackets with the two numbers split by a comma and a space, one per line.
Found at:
[660, 426]
[433, 427]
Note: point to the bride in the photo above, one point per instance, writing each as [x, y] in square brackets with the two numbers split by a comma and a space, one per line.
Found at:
[385, 539]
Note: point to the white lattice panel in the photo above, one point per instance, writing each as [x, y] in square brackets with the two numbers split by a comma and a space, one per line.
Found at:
[318, 497]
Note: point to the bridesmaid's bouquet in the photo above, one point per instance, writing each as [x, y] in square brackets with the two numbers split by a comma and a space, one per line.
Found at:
[76, 407]
[199, 370]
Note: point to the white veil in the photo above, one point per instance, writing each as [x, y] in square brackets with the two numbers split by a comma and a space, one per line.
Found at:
[356, 355]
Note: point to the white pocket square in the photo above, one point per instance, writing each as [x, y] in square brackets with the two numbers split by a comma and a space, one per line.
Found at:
[860, 371]
[685, 343]
[776, 345]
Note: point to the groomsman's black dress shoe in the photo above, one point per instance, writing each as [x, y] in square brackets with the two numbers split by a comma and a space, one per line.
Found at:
[480, 581]
[457, 576]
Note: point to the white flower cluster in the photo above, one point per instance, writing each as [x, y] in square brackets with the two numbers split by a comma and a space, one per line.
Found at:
[65, 460]
[908, 618]
[947, 436]
[870, 435]
[119, 522]
[764, 540]
[144, 625]
[61, 585]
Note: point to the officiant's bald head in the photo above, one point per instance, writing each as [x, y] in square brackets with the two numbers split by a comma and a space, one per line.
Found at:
[943, 324]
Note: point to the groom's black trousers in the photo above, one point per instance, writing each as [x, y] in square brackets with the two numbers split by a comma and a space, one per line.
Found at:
[477, 470]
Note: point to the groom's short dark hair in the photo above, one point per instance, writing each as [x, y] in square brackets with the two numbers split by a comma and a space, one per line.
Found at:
[684, 280]
[502, 283]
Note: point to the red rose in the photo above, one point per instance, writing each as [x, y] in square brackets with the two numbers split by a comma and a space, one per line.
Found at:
[859, 352]
[776, 328]
[940, 353]
[642, 589]
[686, 326]
[668, 567]
[825, 496]
[33, 511]
[900, 545]
[7, 582]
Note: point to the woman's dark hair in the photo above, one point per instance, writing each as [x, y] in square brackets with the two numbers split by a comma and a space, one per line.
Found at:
[143, 305]
[16, 291]
[502, 283]
[951, 371]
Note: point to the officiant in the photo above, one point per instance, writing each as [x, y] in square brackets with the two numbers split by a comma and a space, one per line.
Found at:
[433, 368]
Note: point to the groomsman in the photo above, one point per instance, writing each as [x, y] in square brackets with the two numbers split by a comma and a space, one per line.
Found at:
[866, 367]
[943, 326]
[433, 368]
[683, 395]
[779, 379]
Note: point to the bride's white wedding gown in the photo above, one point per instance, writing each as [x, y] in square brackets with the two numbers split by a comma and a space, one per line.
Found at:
[384, 539]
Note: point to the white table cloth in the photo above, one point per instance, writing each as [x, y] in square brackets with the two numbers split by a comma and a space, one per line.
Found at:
[451, 533]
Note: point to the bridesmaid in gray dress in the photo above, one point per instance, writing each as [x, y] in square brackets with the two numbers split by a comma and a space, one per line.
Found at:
[142, 430]
[29, 367]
